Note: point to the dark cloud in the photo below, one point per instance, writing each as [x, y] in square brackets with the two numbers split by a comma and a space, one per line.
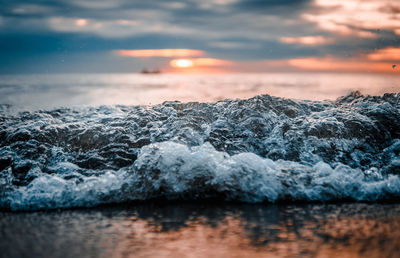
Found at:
[273, 5]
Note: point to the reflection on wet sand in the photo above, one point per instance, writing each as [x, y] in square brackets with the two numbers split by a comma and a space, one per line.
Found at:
[206, 230]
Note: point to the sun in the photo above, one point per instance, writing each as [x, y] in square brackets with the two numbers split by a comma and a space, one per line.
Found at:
[182, 63]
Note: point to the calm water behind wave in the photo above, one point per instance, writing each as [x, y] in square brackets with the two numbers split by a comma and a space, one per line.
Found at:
[49, 91]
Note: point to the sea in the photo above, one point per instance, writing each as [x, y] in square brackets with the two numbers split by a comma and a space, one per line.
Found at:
[46, 91]
[221, 165]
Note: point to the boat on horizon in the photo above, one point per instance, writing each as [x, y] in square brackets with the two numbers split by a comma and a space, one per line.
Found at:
[147, 71]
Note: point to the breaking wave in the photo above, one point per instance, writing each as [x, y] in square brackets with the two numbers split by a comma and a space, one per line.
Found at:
[263, 149]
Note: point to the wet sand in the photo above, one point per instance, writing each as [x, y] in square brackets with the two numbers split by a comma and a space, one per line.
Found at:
[205, 230]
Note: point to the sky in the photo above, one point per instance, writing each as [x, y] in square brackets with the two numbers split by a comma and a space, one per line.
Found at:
[193, 36]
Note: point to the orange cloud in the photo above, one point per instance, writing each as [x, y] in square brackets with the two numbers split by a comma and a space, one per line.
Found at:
[379, 61]
[307, 40]
[355, 17]
[161, 53]
[386, 54]
[211, 62]
[334, 64]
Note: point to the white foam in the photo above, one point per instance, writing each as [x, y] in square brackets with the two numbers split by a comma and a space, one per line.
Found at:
[174, 171]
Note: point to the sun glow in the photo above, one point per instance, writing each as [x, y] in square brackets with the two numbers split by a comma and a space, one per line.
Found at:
[182, 63]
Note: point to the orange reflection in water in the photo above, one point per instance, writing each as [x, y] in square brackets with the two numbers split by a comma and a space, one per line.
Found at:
[206, 230]
[317, 232]
[346, 238]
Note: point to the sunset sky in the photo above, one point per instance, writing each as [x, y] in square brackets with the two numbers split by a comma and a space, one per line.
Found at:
[119, 36]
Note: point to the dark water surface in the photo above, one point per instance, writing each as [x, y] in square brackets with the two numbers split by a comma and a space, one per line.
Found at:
[205, 230]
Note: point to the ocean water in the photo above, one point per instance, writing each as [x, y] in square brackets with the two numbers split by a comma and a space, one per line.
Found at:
[30, 92]
[257, 145]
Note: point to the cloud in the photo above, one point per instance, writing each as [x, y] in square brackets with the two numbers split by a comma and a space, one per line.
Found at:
[29, 9]
[233, 44]
[98, 4]
[254, 31]
[360, 64]
[116, 28]
[161, 53]
[281, 6]
[386, 54]
[174, 5]
[211, 62]
[183, 19]
[355, 17]
[308, 40]
[210, 4]
[378, 61]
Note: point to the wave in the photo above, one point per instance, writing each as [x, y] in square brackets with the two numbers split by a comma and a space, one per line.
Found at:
[263, 149]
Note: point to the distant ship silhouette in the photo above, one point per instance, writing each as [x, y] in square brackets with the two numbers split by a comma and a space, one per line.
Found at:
[147, 71]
